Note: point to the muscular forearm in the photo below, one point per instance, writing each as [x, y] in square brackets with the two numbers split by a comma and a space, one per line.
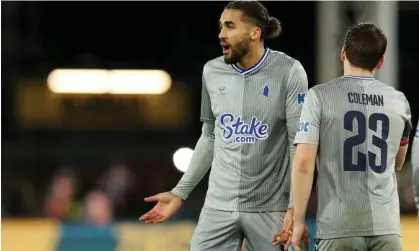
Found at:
[199, 165]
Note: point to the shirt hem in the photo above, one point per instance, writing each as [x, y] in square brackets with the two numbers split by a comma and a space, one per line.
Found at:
[282, 208]
[357, 233]
[296, 142]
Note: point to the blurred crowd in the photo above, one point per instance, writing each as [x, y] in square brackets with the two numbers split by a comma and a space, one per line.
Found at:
[100, 196]
[77, 194]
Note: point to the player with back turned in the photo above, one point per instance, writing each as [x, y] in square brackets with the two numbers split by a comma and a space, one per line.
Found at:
[415, 167]
[358, 128]
[251, 103]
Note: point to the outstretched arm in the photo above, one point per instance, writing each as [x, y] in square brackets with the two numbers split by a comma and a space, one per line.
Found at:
[204, 150]
[168, 203]
[199, 165]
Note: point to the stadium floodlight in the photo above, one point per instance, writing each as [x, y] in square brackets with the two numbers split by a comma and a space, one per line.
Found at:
[78, 81]
[96, 81]
[142, 82]
[182, 158]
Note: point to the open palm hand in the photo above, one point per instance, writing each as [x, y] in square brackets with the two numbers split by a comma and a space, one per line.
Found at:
[167, 205]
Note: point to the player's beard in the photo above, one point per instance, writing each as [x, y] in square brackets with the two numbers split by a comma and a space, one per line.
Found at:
[238, 51]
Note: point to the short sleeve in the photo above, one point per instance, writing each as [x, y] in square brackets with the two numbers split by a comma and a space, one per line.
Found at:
[308, 129]
[207, 116]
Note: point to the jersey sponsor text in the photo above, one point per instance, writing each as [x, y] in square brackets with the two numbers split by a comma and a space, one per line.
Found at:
[242, 132]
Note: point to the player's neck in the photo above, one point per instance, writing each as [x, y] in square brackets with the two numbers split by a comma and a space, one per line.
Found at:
[355, 71]
[252, 57]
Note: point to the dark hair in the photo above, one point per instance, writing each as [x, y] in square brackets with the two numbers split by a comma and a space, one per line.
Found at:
[365, 45]
[258, 15]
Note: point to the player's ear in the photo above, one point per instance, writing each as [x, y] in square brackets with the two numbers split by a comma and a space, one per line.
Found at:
[256, 33]
[343, 54]
[380, 63]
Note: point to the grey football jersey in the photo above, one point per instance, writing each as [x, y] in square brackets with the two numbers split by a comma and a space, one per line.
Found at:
[254, 112]
[358, 124]
[415, 166]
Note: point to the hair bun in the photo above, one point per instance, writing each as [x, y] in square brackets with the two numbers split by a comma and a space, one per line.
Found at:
[274, 28]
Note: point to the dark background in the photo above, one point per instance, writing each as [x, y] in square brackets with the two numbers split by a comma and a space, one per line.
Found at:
[90, 136]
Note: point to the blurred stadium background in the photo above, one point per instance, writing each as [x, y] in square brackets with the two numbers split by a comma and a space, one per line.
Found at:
[76, 166]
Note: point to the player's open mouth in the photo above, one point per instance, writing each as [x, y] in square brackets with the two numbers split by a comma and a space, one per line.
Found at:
[226, 48]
